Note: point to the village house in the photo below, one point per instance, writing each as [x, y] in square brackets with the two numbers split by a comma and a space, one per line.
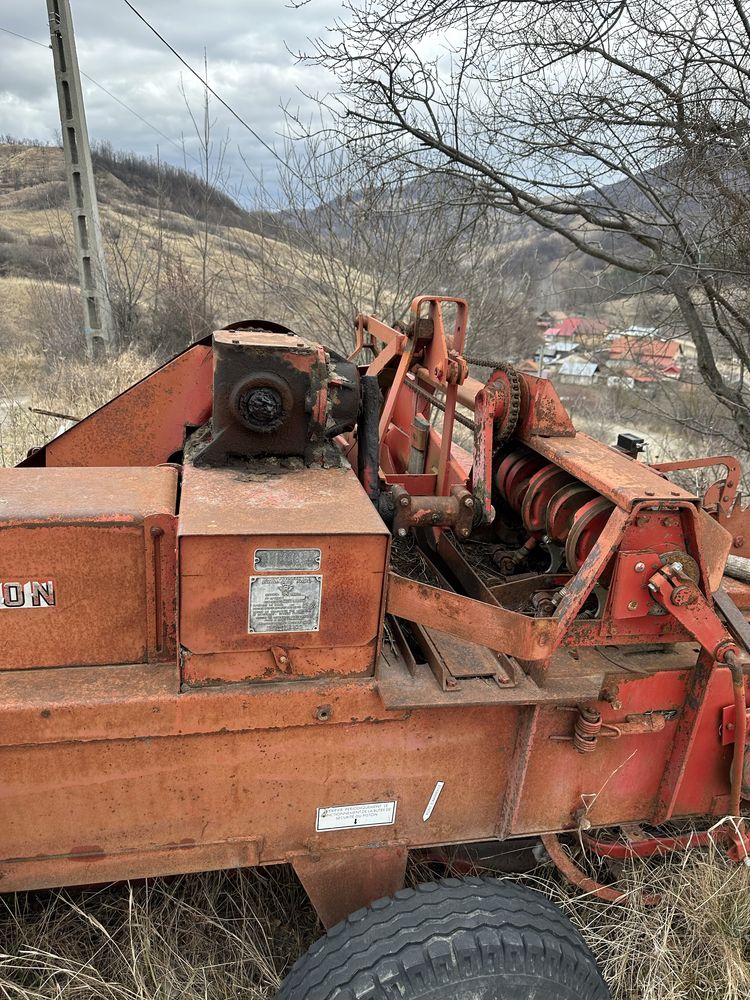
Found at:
[578, 370]
[643, 358]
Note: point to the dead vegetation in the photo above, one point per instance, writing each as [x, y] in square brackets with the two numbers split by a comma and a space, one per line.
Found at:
[65, 388]
[236, 933]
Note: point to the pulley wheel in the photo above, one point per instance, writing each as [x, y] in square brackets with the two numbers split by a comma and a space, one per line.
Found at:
[543, 485]
[587, 525]
[504, 468]
[517, 481]
[563, 506]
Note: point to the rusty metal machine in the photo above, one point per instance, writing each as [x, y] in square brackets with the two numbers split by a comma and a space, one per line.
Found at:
[216, 650]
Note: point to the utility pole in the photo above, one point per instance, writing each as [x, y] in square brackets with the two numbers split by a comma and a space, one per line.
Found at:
[80, 175]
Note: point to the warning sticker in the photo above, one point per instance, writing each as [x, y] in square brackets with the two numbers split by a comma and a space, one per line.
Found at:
[281, 559]
[289, 603]
[349, 817]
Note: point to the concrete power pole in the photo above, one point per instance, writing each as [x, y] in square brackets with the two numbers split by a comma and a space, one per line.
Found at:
[80, 175]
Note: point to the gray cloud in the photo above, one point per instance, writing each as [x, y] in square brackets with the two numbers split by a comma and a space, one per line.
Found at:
[249, 64]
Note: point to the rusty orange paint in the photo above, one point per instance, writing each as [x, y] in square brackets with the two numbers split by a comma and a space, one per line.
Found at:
[145, 425]
[227, 516]
[151, 739]
[106, 545]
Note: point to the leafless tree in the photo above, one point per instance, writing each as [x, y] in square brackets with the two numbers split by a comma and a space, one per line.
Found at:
[343, 234]
[621, 125]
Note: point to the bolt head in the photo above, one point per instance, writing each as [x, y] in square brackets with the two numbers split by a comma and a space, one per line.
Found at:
[677, 567]
[401, 532]
[633, 606]
[404, 501]
[639, 567]
[469, 502]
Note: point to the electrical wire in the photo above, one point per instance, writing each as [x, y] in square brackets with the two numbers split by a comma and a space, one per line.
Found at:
[204, 83]
[109, 93]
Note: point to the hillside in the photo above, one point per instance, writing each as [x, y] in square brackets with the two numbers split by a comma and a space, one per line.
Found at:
[182, 256]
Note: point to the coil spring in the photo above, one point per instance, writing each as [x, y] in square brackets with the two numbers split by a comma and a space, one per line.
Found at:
[586, 731]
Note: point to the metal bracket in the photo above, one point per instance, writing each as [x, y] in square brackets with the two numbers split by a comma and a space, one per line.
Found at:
[683, 599]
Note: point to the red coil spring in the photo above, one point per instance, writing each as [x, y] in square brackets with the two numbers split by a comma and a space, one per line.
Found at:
[587, 729]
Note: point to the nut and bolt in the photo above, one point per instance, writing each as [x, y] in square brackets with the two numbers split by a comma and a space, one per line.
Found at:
[469, 502]
[633, 606]
[677, 567]
[404, 501]
[401, 532]
[639, 567]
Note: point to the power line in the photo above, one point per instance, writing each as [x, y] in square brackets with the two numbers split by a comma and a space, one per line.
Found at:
[109, 93]
[25, 38]
[205, 83]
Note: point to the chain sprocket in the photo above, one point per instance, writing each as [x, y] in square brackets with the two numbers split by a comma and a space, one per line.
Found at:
[507, 424]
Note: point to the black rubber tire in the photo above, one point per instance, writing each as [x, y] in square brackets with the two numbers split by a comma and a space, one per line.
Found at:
[456, 939]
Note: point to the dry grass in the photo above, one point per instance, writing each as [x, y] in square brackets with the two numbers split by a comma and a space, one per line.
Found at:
[694, 946]
[234, 934]
[196, 936]
[69, 387]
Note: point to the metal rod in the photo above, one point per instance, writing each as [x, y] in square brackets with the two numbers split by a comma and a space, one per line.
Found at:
[460, 418]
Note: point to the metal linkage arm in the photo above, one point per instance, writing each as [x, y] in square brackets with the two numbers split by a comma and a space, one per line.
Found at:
[683, 599]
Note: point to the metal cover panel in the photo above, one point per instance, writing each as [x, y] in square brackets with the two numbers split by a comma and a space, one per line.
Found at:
[60, 495]
[263, 498]
[144, 425]
[227, 515]
[80, 537]
[623, 480]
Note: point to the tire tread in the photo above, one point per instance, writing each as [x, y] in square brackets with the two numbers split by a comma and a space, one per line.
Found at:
[419, 918]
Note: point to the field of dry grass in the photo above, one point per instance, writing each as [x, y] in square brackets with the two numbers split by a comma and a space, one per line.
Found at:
[69, 388]
[234, 934]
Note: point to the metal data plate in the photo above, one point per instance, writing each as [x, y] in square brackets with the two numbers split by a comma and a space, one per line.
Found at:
[285, 603]
[279, 560]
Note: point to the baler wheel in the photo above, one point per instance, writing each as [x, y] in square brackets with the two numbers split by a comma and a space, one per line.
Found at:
[456, 939]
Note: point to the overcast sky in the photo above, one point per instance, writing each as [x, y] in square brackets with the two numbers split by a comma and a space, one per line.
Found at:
[249, 64]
